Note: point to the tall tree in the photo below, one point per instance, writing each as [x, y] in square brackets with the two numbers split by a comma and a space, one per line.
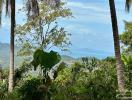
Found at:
[32, 6]
[51, 34]
[11, 70]
[119, 64]
[10, 6]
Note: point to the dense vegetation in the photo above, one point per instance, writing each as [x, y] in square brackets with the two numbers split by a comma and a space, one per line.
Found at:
[42, 75]
[87, 79]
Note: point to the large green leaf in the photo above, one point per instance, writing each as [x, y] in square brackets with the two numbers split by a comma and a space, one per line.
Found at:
[44, 59]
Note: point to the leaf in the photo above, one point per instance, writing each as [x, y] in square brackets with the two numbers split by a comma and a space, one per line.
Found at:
[44, 59]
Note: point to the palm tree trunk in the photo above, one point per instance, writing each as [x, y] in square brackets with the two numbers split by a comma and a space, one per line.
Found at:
[0, 73]
[11, 69]
[119, 64]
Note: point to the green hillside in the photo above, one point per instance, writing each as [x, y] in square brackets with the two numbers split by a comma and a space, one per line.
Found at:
[4, 56]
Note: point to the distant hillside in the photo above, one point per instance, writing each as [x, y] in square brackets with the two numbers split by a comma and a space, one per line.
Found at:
[4, 56]
[4, 53]
[67, 58]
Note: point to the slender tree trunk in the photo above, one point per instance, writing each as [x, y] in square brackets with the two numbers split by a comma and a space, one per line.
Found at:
[119, 64]
[11, 69]
[0, 73]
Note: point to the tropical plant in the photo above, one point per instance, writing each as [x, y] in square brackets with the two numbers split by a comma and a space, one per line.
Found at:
[128, 70]
[90, 63]
[22, 71]
[126, 38]
[98, 84]
[111, 60]
[4, 84]
[44, 59]
[31, 89]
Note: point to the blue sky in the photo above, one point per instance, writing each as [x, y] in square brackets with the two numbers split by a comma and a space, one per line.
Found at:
[91, 28]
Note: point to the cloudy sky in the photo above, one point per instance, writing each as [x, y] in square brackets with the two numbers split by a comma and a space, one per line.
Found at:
[90, 28]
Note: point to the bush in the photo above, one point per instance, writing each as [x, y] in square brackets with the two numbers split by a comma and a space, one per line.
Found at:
[31, 89]
[100, 84]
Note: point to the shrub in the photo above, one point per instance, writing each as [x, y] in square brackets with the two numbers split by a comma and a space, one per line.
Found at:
[100, 84]
[31, 89]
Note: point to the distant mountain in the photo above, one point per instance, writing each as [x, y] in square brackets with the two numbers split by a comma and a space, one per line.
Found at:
[69, 58]
[4, 55]
[88, 52]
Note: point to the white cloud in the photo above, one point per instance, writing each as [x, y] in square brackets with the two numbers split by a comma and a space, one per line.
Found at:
[93, 7]
[95, 18]
[81, 30]
[90, 12]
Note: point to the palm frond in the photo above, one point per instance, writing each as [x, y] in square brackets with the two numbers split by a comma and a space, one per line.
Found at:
[128, 5]
[1, 8]
[7, 4]
[32, 6]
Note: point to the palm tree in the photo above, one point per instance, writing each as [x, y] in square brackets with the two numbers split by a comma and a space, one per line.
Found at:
[10, 6]
[11, 70]
[119, 64]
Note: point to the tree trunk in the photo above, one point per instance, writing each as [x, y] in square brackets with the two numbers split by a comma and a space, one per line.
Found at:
[119, 64]
[0, 73]
[11, 69]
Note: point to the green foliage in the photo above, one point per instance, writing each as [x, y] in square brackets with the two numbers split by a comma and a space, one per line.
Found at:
[26, 51]
[61, 66]
[44, 59]
[4, 82]
[100, 84]
[126, 37]
[20, 72]
[127, 60]
[9, 96]
[72, 82]
[90, 63]
[112, 60]
[31, 89]
[3, 88]
[44, 31]
[89, 79]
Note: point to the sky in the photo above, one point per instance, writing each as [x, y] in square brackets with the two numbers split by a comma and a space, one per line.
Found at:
[90, 28]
